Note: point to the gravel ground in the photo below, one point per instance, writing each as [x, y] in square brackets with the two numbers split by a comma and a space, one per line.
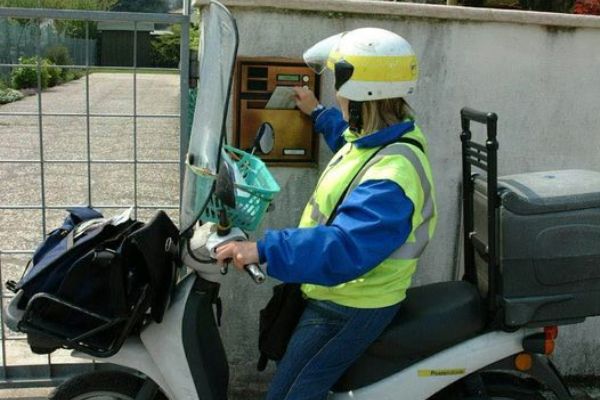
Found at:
[64, 138]
[110, 139]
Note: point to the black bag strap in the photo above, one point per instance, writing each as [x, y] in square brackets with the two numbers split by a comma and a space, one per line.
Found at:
[275, 332]
[411, 141]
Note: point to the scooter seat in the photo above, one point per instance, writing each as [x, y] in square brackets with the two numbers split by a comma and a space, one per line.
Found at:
[431, 318]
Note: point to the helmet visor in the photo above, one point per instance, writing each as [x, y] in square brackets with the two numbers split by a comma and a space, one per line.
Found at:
[316, 57]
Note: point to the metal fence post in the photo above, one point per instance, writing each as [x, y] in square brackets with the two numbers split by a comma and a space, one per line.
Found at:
[184, 132]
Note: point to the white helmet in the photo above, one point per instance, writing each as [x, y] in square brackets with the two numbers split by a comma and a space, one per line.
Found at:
[369, 64]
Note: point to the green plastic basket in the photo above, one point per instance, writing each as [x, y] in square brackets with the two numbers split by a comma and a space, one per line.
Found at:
[253, 195]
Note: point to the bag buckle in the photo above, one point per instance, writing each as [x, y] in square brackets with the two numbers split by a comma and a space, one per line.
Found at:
[12, 286]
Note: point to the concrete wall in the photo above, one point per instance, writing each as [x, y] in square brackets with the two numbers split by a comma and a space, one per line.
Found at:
[539, 72]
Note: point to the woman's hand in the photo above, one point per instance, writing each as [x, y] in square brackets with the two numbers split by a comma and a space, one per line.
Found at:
[305, 99]
[241, 253]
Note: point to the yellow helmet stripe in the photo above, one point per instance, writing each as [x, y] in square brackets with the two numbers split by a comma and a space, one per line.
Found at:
[379, 68]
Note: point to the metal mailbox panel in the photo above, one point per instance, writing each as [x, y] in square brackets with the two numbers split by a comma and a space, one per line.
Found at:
[295, 143]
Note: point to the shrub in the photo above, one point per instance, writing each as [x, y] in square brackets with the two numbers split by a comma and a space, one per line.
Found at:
[59, 55]
[68, 76]
[164, 50]
[54, 73]
[72, 75]
[9, 95]
[590, 7]
[26, 76]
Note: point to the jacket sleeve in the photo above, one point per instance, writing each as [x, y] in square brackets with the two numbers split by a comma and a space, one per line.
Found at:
[370, 224]
[330, 123]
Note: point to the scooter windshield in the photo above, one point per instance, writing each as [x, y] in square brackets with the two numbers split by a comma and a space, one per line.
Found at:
[216, 55]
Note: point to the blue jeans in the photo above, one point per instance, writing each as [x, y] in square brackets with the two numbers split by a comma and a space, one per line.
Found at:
[328, 339]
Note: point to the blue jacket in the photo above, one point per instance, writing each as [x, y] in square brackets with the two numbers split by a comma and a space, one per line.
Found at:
[372, 222]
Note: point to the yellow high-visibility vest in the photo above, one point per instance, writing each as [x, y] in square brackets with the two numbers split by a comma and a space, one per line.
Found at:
[404, 164]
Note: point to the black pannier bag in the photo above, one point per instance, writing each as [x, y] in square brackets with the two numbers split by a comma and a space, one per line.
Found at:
[278, 321]
[548, 246]
[93, 280]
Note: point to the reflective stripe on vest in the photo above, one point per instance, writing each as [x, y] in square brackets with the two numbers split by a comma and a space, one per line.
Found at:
[315, 212]
[408, 250]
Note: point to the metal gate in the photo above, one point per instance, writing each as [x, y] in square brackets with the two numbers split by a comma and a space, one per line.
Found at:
[101, 150]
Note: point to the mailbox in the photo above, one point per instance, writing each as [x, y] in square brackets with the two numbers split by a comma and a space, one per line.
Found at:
[256, 80]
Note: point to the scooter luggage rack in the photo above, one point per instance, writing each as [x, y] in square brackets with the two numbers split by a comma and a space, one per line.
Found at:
[484, 157]
[82, 341]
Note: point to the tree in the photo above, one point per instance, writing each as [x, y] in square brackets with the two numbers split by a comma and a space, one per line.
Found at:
[62, 4]
[69, 28]
[154, 6]
[590, 7]
[165, 48]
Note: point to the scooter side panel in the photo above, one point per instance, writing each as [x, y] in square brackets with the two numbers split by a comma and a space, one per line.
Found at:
[134, 355]
[425, 378]
[165, 345]
[204, 348]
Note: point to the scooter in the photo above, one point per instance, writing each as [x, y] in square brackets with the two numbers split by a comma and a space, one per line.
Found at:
[447, 342]
[442, 345]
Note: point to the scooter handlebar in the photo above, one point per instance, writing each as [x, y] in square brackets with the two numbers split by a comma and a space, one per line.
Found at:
[257, 275]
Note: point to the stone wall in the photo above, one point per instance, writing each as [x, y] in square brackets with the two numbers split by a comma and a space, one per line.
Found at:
[537, 71]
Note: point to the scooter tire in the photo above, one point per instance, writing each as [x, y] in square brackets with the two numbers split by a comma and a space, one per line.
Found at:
[504, 394]
[508, 387]
[117, 385]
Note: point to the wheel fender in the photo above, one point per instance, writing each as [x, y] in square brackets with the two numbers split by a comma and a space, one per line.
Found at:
[542, 371]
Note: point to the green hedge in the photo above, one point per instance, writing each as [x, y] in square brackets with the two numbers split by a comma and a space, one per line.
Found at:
[26, 76]
[164, 50]
[59, 55]
[50, 74]
[54, 73]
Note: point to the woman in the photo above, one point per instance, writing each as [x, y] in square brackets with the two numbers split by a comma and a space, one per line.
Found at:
[368, 221]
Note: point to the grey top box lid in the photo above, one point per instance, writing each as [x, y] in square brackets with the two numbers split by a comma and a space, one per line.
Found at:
[550, 191]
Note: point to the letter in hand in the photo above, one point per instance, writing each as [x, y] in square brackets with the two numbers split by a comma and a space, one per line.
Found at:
[241, 253]
[305, 99]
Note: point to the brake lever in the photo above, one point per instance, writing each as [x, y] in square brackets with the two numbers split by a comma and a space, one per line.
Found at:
[225, 268]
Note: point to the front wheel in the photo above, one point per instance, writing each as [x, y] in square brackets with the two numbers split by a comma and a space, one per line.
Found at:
[106, 385]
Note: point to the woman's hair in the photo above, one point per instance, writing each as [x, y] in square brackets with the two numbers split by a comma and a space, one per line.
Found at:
[378, 114]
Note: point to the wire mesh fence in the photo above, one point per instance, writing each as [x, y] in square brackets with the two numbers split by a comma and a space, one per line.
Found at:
[111, 139]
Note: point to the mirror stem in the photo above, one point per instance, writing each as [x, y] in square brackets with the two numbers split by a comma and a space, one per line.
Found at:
[224, 226]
